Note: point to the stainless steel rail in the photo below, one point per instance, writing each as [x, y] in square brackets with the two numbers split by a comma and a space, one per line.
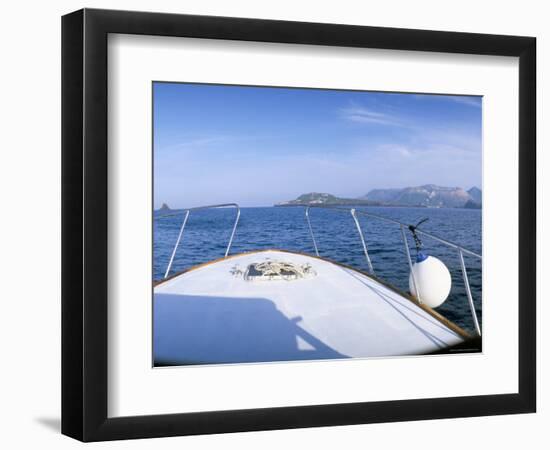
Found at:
[360, 231]
[311, 232]
[461, 250]
[424, 233]
[408, 253]
[198, 208]
[469, 292]
[354, 213]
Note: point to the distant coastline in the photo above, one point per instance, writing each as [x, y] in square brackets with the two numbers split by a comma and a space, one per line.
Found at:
[425, 196]
[380, 205]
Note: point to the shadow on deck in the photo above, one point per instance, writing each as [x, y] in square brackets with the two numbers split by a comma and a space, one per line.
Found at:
[192, 329]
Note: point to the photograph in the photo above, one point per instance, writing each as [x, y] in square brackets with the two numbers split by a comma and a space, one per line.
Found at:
[303, 224]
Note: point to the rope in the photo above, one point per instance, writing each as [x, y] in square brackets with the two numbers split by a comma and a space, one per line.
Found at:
[269, 270]
[417, 241]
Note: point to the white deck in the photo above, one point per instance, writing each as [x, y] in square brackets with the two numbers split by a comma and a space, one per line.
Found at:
[210, 316]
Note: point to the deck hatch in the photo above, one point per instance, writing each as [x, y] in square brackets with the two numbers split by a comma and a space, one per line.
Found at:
[278, 270]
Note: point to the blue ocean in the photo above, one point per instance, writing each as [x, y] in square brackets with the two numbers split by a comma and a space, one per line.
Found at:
[207, 234]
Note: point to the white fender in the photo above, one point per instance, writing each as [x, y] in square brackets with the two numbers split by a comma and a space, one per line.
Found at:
[433, 280]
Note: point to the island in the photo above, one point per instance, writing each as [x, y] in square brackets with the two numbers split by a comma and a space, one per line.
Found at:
[321, 198]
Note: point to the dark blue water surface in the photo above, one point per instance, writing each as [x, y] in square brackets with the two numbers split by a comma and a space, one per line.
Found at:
[207, 234]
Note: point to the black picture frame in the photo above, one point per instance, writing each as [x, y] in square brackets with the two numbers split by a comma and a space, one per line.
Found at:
[84, 224]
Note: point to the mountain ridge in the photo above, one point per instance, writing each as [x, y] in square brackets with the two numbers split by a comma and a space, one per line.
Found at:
[427, 195]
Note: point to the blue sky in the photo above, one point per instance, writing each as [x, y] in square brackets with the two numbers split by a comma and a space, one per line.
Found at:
[257, 146]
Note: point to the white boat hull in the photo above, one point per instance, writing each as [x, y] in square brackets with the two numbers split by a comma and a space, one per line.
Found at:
[211, 315]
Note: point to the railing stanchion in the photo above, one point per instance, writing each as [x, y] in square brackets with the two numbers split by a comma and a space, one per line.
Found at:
[233, 232]
[198, 208]
[469, 292]
[407, 251]
[177, 244]
[311, 231]
[360, 231]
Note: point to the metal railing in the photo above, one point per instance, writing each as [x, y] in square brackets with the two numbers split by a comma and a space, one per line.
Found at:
[354, 213]
[460, 250]
[198, 208]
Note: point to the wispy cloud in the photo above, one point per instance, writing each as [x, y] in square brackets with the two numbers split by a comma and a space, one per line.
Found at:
[204, 142]
[464, 100]
[199, 141]
[365, 115]
[468, 100]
